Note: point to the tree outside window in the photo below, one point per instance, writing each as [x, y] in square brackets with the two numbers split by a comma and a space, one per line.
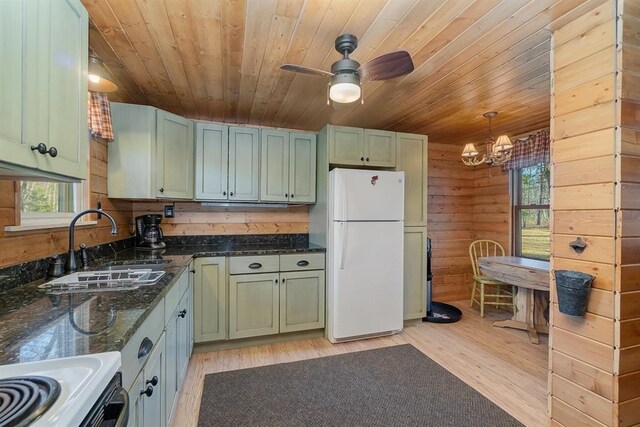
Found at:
[531, 195]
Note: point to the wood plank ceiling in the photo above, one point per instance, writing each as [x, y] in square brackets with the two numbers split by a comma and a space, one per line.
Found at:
[219, 60]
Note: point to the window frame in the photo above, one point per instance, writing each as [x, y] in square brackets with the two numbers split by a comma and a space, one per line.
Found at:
[515, 178]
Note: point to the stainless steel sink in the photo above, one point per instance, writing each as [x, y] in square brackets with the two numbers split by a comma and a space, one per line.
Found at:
[151, 266]
[120, 277]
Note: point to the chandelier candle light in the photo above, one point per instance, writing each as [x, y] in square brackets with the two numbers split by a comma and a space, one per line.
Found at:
[498, 151]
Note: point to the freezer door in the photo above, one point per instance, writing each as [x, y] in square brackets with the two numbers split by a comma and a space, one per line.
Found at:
[366, 195]
[365, 286]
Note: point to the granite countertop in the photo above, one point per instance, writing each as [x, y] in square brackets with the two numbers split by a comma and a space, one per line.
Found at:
[35, 325]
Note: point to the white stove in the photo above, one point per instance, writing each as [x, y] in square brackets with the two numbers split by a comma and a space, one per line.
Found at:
[82, 382]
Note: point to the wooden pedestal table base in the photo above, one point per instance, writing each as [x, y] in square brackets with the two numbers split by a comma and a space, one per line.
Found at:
[529, 276]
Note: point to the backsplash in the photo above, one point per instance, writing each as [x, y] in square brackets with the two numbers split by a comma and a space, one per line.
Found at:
[20, 274]
[237, 239]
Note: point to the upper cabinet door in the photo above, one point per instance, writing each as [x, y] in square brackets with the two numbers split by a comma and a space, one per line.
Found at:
[212, 156]
[15, 149]
[174, 156]
[274, 165]
[379, 148]
[346, 145]
[244, 166]
[56, 93]
[302, 167]
[412, 159]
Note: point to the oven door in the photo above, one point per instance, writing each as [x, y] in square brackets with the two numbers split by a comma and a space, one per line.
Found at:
[112, 408]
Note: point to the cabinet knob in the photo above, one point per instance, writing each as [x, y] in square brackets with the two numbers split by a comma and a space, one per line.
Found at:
[224, 193]
[192, 271]
[367, 159]
[283, 280]
[286, 195]
[153, 381]
[231, 193]
[161, 190]
[362, 159]
[276, 280]
[42, 149]
[147, 392]
[292, 195]
[182, 314]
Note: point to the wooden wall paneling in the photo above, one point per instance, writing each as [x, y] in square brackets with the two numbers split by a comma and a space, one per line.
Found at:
[584, 375]
[193, 218]
[566, 415]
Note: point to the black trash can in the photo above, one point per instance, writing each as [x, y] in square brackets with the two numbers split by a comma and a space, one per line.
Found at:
[573, 291]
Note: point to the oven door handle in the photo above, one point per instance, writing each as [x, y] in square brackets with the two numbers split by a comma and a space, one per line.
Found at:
[123, 418]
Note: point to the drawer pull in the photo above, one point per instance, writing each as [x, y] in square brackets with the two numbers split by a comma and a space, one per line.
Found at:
[182, 313]
[145, 348]
[302, 263]
[255, 265]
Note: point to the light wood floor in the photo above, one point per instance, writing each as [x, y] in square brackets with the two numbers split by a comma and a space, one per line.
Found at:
[500, 363]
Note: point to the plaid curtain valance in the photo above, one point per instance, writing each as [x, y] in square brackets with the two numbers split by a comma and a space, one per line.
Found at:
[531, 151]
[99, 117]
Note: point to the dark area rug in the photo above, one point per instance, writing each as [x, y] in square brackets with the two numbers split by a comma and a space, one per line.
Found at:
[392, 386]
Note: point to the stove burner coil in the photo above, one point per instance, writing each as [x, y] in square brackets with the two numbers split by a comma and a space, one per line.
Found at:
[24, 399]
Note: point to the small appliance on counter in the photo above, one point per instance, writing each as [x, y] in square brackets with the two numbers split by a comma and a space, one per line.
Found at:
[148, 232]
[72, 391]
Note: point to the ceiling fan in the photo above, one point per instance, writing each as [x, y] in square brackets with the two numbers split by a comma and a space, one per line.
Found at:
[347, 75]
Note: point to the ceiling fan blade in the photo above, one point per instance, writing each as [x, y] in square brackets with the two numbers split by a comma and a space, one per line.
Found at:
[387, 66]
[305, 70]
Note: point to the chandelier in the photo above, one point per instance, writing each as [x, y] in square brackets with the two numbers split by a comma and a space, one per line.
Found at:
[498, 151]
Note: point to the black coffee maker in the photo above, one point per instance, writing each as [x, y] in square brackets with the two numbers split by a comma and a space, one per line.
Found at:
[148, 232]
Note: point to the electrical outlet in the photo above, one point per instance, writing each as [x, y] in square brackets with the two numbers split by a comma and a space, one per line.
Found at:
[169, 211]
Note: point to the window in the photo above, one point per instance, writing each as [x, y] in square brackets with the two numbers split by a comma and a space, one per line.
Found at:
[530, 195]
[49, 204]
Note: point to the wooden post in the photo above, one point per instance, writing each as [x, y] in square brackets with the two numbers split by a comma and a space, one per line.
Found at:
[594, 374]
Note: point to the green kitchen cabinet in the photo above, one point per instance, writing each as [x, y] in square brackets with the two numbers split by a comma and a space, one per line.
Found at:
[415, 272]
[379, 148]
[177, 344]
[274, 167]
[174, 161]
[302, 167]
[244, 163]
[254, 303]
[412, 160]
[361, 147]
[147, 395]
[212, 160]
[288, 166]
[153, 149]
[210, 299]
[301, 300]
[346, 145]
[43, 89]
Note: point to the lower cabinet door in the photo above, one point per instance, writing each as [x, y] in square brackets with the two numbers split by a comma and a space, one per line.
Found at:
[154, 402]
[301, 300]
[172, 339]
[210, 299]
[184, 337]
[415, 272]
[136, 402]
[254, 303]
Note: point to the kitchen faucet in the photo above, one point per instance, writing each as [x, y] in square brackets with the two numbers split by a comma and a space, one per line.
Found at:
[70, 265]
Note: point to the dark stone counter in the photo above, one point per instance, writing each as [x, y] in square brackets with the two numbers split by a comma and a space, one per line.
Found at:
[35, 325]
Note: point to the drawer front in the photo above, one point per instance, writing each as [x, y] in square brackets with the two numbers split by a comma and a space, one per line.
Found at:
[254, 264]
[152, 329]
[299, 262]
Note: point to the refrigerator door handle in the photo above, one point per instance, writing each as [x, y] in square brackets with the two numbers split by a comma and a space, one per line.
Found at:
[344, 236]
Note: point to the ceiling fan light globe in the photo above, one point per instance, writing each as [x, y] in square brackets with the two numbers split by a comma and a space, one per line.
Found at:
[345, 93]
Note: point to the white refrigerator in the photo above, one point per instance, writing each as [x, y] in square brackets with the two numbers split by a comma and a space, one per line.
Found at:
[365, 254]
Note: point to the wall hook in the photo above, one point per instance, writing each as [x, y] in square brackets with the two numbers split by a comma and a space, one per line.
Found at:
[578, 245]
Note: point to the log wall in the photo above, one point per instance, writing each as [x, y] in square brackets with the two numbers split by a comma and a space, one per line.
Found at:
[593, 367]
[18, 247]
[194, 219]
